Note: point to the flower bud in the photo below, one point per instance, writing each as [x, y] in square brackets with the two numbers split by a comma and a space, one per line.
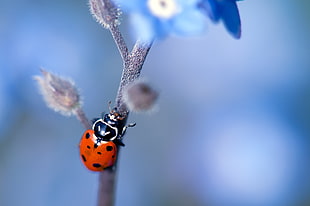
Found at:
[105, 12]
[59, 93]
[139, 96]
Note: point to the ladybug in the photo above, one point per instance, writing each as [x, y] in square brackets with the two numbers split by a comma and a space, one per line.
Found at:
[98, 146]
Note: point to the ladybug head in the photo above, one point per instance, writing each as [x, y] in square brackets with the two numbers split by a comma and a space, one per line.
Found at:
[115, 116]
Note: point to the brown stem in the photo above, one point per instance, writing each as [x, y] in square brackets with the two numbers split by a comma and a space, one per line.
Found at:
[106, 190]
[80, 115]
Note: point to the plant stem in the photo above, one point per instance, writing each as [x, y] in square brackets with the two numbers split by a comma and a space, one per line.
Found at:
[131, 71]
[132, 68]
[106, 189]
[120, 42]
[104, 11]
[80, 115]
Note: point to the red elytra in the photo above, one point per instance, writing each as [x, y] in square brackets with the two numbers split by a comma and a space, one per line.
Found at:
[97, 156]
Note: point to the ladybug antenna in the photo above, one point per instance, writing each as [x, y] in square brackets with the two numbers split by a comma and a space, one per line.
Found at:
[109, 105]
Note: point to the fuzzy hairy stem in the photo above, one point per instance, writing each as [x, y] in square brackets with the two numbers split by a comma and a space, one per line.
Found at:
[106, 13]
[80, 115]
[131, 71]
[120, 42]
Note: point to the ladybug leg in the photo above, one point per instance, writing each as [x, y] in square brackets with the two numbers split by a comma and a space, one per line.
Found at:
[119, 142]
[94, 120]
[125, 128]
[131, 125]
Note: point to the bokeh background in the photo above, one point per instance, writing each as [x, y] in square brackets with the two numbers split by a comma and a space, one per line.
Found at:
[231, 127]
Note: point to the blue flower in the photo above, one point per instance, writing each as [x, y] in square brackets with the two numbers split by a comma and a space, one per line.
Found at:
[225, 10]
[160, 18]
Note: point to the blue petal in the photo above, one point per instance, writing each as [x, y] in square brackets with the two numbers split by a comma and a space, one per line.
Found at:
[131, 5]
[189, 23]
[225, 10]
[144, 28]
[188, 3]
[231, 17]
[211, 7]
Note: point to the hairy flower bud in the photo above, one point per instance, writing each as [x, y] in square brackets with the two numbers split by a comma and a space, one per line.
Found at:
[139, 96]
[105, 12]
[59, 93]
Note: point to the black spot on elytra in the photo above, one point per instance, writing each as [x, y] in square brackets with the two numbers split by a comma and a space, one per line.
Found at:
[95, 146]
[84, 158]
[88, 146]
[97, 165]
[87, 135]
[109, 148]
[99, 153]
[113, 156]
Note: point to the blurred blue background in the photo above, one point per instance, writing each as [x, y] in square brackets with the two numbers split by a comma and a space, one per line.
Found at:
[233, 123]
